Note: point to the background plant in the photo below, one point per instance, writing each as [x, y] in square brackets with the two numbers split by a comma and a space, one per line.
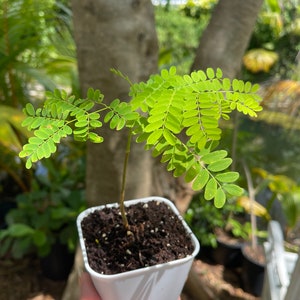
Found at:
[285, 190]
[46, 215]
[204, 218]
[37, 53]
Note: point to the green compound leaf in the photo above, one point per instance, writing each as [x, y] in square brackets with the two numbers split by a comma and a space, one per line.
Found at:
[177, 117]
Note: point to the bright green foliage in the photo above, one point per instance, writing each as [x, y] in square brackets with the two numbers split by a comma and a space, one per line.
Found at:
[177, 117]
[64, 115]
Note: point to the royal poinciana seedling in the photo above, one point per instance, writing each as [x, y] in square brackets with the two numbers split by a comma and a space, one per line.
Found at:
[177, 117]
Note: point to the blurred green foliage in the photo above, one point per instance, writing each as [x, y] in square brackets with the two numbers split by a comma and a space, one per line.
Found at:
[47, 214]
[277, 29]
[204, 218]
[178, 37]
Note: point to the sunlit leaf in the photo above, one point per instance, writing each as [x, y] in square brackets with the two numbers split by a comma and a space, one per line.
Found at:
[210, 189]
[220, 198]
[220, 165]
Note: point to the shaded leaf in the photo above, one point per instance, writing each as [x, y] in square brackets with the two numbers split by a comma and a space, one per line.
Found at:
[233, 189]
[200, 180]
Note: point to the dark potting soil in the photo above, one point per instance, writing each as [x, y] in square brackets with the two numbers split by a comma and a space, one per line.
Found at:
[155, 235]
[256, 254]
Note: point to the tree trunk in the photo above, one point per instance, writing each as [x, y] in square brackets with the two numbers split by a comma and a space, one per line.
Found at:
[120, 35]
[227, 35]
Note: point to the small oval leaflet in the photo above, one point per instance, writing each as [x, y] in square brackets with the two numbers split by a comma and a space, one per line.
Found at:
[214, 156]
[210, 73]
[154, 136]
[220, 198]
[227, 177]
[220, 165]
[233, 189]
[200, 180]
[210, 189]
[29, 109]
[95, 138]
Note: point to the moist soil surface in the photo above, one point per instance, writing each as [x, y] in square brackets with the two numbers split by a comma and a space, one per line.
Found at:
[155, 235]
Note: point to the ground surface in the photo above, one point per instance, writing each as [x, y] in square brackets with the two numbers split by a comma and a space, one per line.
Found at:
[223, 283]
[24, 281]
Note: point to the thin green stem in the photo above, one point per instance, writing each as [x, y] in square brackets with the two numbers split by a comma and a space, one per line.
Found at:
[252, 200]
[122, 196]
[236, 122]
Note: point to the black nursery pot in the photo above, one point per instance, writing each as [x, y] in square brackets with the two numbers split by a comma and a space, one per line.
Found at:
[228, 254]
[252, 274]
[5, 207]
[205, 253]
[58, 263]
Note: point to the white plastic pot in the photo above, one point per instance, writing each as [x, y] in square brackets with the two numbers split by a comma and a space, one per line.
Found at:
[160, 282]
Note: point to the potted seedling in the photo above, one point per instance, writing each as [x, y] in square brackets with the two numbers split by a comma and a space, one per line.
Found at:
[177, 118]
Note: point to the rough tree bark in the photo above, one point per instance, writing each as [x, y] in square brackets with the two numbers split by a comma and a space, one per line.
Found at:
[121, 35]
[227, 35]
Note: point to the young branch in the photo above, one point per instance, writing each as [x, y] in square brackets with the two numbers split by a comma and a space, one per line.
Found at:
[122, 195]
[252, 199]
